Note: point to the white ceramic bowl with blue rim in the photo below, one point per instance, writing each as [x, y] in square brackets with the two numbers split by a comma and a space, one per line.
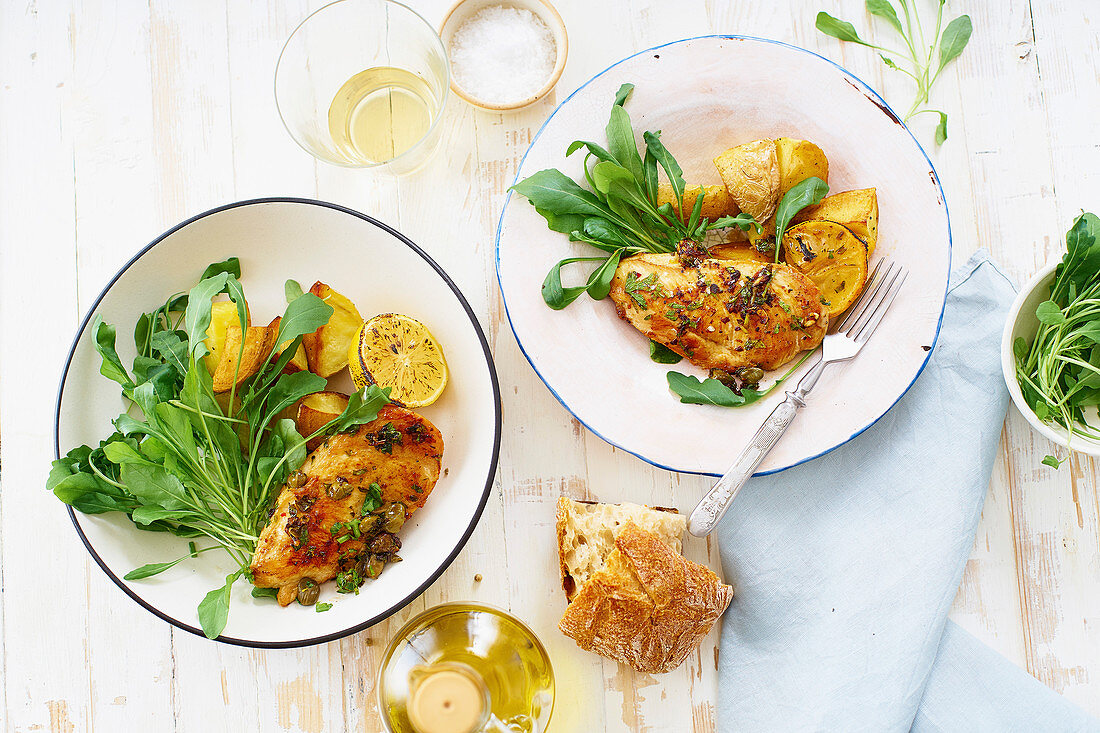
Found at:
[707, 94]
[381, 271]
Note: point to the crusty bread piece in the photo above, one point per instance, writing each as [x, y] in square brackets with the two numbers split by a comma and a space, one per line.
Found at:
[586, 535]
[649, 608]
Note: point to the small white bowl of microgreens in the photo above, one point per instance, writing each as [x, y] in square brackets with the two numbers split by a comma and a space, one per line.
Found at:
[1050, 350]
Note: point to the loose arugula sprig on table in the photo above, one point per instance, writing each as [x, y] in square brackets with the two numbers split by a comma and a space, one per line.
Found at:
[917, 61]
[618, 212]
[183, 464]
[1059, 371]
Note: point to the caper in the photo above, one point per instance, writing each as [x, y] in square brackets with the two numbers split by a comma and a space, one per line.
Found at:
[385, 543]
[371, 567]
[752, 375]
[296, 480]
[394, 516]
[308, 591]
[339, 489]
[370, 524]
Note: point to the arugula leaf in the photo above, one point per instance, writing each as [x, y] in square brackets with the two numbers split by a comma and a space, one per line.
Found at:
[671, 167]
[621, 144]
[105, 344]
[599, 282]
[941, 129]
[742, 221]
[954, 39]
[883, 9]
[553, 293]
[662, 354]
[807, 192]
[265, 592]
[559, 200]
[1052, 462]
[709, 391]
[292, 290]
[623, 93]
[153, 568]
[303, 315]
[837, 28]
[363, 406]
[213, 610]
[230, 266]
[197, 315]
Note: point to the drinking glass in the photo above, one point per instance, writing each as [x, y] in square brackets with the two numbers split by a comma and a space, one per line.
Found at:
[362, 84]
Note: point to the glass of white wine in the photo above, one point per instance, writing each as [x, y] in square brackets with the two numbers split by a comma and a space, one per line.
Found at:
[362, 84]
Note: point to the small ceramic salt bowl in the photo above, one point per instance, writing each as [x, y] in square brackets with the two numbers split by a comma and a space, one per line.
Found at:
[463, 10]
[1022, 323]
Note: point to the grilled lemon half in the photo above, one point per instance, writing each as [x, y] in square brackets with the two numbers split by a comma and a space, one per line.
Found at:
[831, 256]
[399, 352]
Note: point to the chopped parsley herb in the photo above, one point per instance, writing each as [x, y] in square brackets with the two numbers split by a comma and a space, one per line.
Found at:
[349, 581]
[373, 500]
[322, 607]
[753, 343]
[385, 439]
[634, 285]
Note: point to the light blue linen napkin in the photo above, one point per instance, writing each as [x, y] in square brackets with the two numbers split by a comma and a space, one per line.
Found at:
[844, 568]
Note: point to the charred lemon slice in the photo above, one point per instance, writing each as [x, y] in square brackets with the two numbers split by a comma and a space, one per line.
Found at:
[395, 351]
[831, 256]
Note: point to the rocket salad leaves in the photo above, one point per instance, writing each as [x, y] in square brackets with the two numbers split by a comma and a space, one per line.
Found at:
[182, 463]
[618, 213]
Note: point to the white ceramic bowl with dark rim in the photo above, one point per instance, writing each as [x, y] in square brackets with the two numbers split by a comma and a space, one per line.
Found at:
[1022, 323]
[381, 271]
[707, 94]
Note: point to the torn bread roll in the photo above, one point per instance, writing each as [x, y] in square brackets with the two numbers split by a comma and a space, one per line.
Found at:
[586, 535]
[648, 608]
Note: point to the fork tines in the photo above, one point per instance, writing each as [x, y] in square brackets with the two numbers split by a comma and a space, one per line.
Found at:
[883, 284]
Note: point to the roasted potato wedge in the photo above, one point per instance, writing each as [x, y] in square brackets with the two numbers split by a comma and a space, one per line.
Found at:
[739, 252]
[317, 409]
[856, 210]
[258, 343]
[223, 314]
[833, 257]
[799, 160]
[717, 201]
[327, 347]
[751, 174]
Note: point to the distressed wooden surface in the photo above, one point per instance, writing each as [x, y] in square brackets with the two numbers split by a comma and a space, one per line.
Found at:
[118, 120]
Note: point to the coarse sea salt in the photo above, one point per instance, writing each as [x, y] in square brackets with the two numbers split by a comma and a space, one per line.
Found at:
[502, 55]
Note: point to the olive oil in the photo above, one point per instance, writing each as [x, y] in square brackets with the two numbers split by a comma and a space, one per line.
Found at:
[380, 113]
[504, 657]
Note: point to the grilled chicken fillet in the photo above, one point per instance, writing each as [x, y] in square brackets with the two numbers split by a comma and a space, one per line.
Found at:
[720, 314]
[399, 450]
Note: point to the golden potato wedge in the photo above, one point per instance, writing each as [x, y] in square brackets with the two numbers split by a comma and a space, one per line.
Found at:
[739, 252]
[223, 314]
[258, 343]
[799, 160]
[833, 257]
[315, 410]
[327, 347]
[751, 174]
[717, 201]
[855, 210]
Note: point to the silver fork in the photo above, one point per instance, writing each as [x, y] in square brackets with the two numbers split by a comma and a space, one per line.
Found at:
[843, 342]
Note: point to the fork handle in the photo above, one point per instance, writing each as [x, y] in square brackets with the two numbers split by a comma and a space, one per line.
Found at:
[704, 518]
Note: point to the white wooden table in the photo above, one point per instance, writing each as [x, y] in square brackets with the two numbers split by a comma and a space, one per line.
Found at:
[118, 120]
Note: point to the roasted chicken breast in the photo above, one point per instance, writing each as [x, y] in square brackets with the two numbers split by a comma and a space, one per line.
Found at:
[720, 314]
[310, 534]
